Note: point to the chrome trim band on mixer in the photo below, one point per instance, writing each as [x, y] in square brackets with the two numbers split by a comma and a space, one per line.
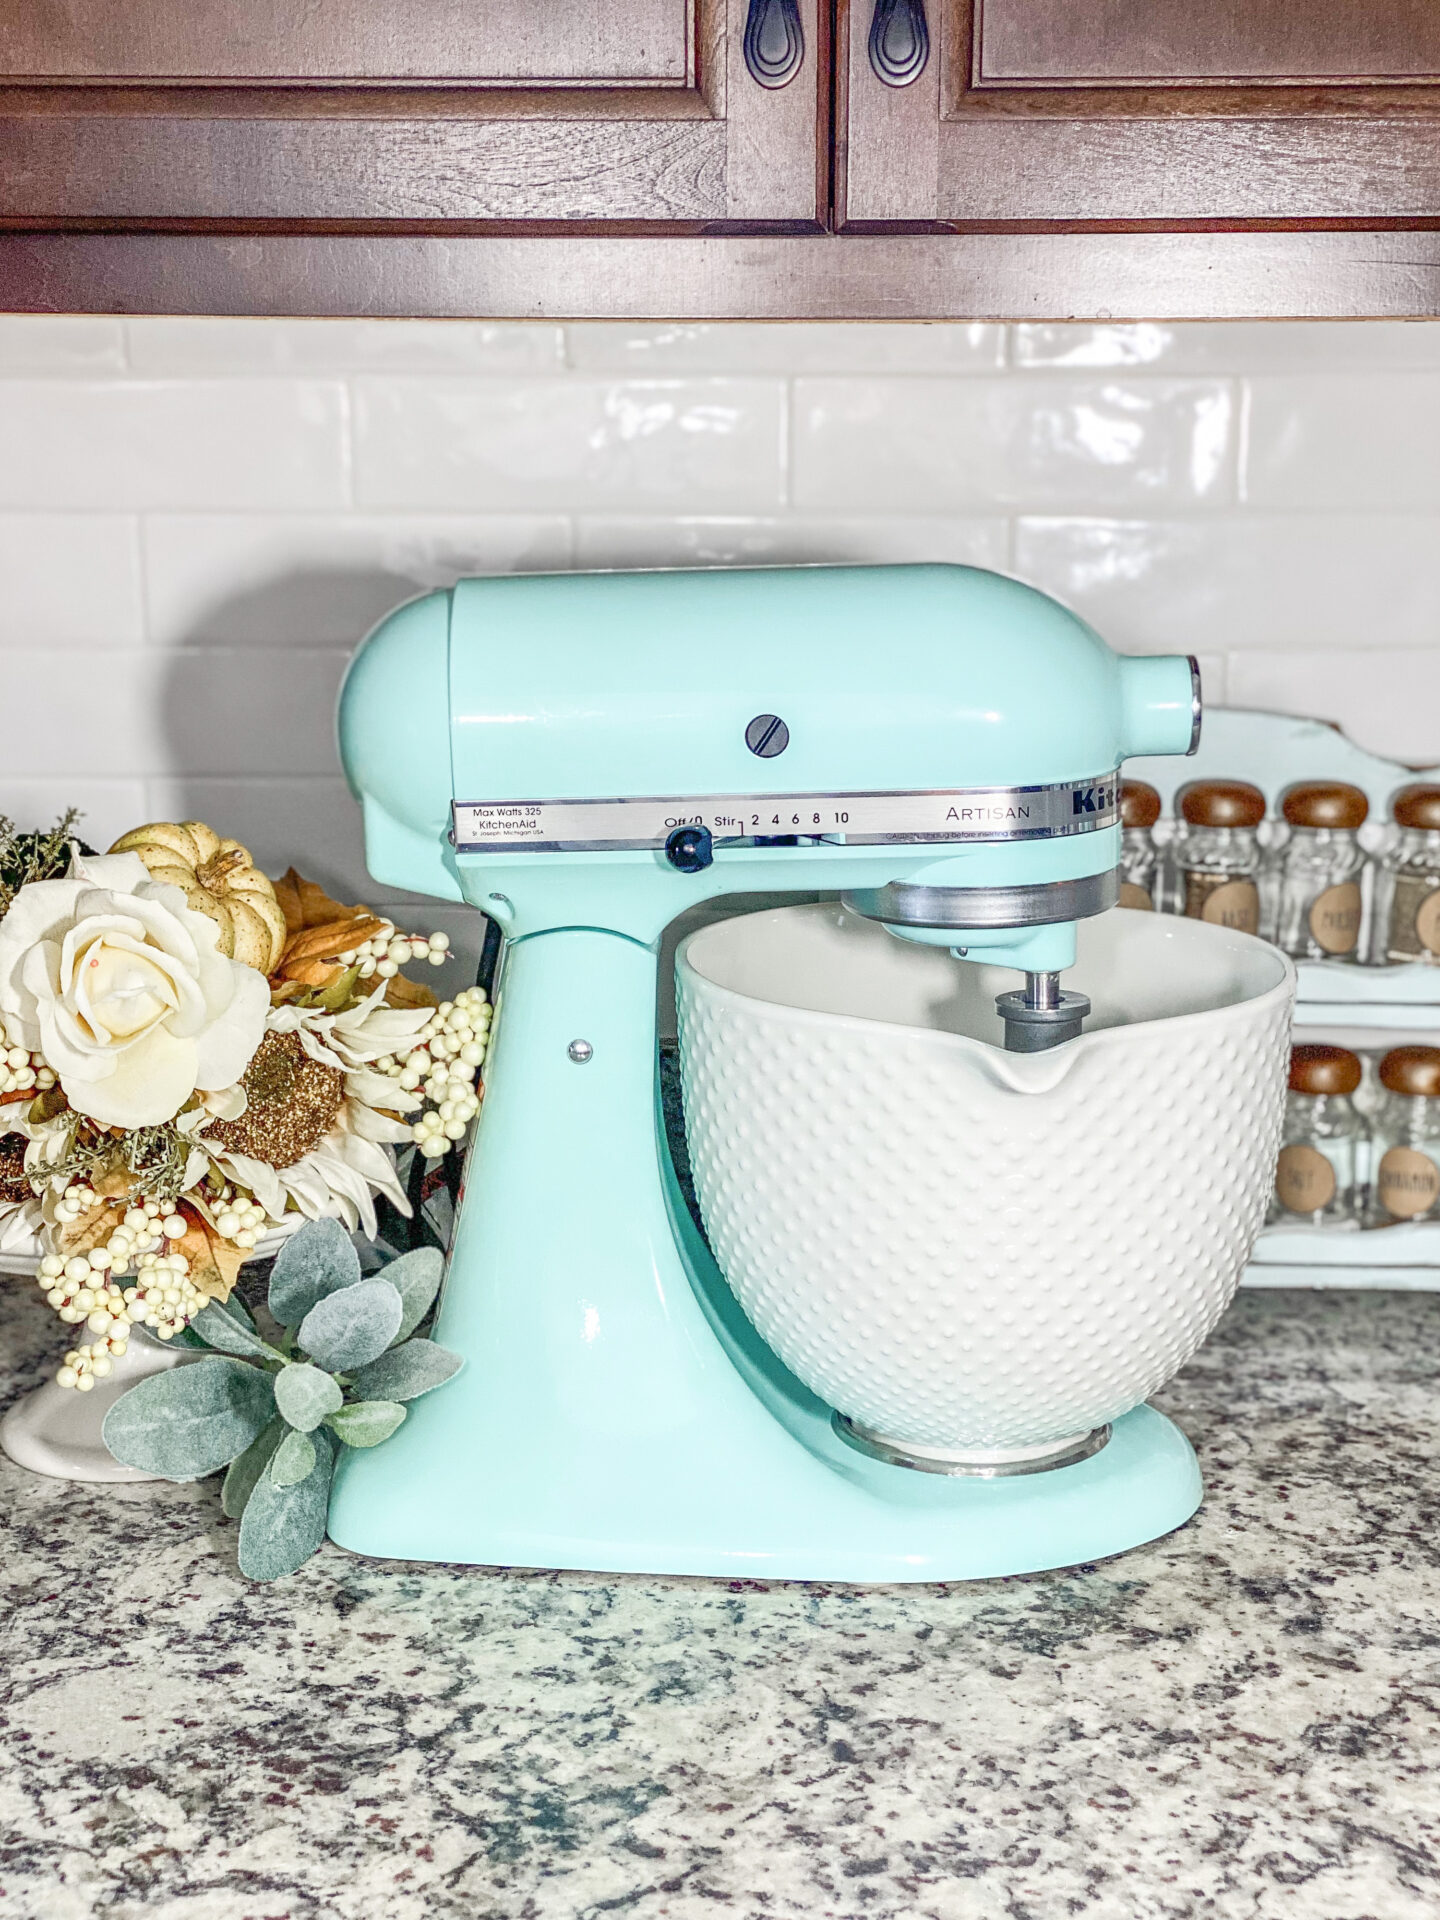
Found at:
[970, 1467]
[1042, 904]
[898, 817]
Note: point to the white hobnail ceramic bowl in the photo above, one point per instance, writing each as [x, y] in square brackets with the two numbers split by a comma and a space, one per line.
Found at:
[976, 1255]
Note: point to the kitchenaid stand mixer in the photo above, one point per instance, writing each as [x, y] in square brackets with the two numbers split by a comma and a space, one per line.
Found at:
[584, 757]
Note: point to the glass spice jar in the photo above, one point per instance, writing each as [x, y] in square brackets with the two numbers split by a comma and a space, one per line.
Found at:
[1217, 852]
[1319, 1178]
[1139, 810]
[1406, 920]
[1405, 1155]
[1318, 871]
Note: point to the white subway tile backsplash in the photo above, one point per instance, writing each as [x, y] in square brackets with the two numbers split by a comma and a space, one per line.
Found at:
[934, 445]
[69, 579]
[310, 823]
[117, 444]
[789, 348]
[199, 518]
[278, 579]
[1227, 346]
[190, 345]
[603, 540]
[1243, 580]
[108, 807]
[1353, 442]
[1385, 698]
[60, 343]
[215, 711]
[686, 445]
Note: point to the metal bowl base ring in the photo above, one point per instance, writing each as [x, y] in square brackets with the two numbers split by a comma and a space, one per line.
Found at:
[990, 1463]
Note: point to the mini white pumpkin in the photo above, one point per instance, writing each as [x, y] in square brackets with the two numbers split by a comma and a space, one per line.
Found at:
[219, 879]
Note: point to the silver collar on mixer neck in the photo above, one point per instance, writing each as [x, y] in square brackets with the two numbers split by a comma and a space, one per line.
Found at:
[1040, 904]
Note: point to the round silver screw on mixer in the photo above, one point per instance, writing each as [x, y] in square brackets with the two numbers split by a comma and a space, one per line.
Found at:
[581, 1052]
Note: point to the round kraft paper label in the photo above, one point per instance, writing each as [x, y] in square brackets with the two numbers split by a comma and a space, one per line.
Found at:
[1409, 1183]
[1137, 897]
[1427, 922]
[1304, 1180]
[1235, 904]
[1335, 918]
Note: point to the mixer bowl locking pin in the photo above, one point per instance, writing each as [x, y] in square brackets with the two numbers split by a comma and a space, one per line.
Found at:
[1038, 1015]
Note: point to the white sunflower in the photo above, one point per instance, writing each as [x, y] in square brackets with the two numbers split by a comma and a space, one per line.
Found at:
[25, 1147]
[317, 1120]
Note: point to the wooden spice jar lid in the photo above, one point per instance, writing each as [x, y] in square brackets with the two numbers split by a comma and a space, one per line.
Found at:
[1221, 803]
[1417, 805]
[1412, 1070]
[1324, 803]
[1139, 804]
[1315, 1068]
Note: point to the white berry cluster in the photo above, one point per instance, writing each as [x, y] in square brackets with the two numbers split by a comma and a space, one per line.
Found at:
[390, 950]
[20, 1071]
[145, 1229]
[238, 1217]
[448, 1054]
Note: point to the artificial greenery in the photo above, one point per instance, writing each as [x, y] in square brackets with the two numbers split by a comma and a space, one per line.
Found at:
[275, 1412]
[35, 856]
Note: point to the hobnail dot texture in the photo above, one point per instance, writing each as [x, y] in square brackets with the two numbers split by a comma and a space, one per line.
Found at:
[957, 1264]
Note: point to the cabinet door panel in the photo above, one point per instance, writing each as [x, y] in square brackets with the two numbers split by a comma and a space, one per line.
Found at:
[503, 41]
[1108, 113]
[474, 113]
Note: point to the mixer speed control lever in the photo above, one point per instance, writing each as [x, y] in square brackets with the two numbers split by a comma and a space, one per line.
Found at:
[690, 849]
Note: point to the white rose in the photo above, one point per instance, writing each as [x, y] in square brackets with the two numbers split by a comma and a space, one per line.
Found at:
[117, 983]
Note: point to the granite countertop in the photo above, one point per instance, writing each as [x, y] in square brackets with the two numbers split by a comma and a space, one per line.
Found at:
[1242, 1720]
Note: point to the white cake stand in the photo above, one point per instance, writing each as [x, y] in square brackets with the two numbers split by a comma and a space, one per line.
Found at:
[55, 1430]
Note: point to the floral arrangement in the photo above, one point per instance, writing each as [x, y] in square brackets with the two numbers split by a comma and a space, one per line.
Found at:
[333, 1368]
[192, 1055]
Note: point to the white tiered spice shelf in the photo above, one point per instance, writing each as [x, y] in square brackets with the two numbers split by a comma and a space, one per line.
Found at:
[1369, 1009]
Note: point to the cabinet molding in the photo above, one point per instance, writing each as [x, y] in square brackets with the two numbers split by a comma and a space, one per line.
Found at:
[1043, 276]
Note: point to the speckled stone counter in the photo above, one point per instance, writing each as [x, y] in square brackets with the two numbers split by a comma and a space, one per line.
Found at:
[1243, 1720]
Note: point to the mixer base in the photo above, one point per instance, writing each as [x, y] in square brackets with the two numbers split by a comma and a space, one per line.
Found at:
[992, 1463]
[617, 1413]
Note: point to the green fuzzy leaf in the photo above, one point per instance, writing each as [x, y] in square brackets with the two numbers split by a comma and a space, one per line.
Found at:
[317, 1261]
[224, 1333]
[366, 1423]
[190, 1421]
[294, 1460]
[351, 1328]
[404, 1373]
[244, 1471]
[283, 1526]
[416, 1278]
[305, 1395]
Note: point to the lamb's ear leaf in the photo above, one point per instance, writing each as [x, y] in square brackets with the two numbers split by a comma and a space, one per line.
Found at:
[350, 1329]
[404, 1373]
[305, 1395]
[367, 1422]
[293, 1461]
[317, 1261]
[192, 1420]
[415, 1277]
[245, 1470]
[282, 1526]
[224, 1332]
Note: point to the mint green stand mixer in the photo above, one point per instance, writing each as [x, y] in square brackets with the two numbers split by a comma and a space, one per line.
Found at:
[583, 757]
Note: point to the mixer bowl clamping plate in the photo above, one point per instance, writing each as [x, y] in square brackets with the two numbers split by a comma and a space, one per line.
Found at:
[968, 1211]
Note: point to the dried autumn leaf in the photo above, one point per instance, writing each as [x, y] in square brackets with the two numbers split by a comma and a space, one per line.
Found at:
[287, 897]
[316, 906]
[400, 992]
[313, 973]
[214, 1263]
[92, 1229]
[331, 940]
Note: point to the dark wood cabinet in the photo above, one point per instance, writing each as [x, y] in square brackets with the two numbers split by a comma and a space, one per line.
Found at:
[467, 114]
[675, 158]
[1167, 114]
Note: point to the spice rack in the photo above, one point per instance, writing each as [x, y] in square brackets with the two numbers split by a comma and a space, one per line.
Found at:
[1368, 1009]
